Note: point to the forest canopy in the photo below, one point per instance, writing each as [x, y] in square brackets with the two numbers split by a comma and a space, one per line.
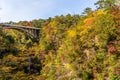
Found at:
[70, 47]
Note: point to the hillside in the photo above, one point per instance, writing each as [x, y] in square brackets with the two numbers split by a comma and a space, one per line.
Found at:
[70, 47]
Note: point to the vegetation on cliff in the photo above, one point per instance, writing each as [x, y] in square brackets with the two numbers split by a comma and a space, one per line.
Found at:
[71, 47]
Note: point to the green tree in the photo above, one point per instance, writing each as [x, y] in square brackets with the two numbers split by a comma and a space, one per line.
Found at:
[106, 4]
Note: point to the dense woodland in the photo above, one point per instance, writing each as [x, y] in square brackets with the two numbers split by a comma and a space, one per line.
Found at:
[71, 47]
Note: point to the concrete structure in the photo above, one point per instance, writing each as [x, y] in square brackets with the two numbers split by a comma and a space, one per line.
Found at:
[32, 32]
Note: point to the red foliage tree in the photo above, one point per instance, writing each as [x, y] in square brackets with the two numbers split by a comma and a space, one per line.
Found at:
[28, 24]
[111, 48]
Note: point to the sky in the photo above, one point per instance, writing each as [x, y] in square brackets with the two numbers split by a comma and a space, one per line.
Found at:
[21, 10]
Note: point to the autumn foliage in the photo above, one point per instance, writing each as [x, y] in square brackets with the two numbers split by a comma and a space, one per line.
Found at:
[70, 47]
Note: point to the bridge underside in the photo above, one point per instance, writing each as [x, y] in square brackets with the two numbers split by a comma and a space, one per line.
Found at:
[32, 32]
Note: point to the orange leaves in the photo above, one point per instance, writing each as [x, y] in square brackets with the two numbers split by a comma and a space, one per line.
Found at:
[28, 24]
[43, 52]
[89, 21]
[116, 14]
[62, 57]
[25, 23]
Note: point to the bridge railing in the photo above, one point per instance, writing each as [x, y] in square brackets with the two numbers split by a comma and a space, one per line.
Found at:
[11, 25]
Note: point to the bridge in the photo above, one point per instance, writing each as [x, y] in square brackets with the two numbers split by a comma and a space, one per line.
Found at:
[32, 32]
